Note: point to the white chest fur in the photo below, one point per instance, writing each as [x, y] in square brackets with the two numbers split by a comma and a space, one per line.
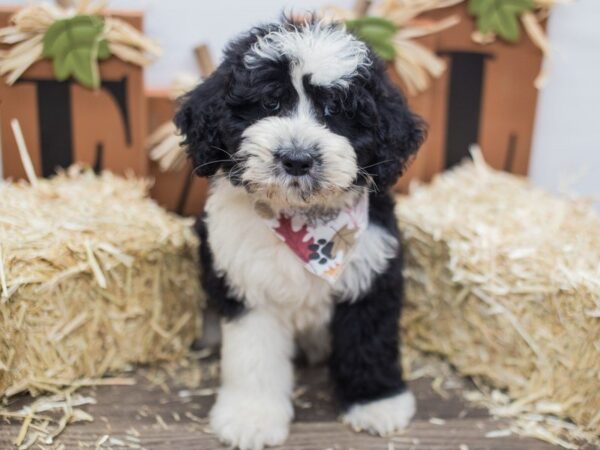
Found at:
[265, 273]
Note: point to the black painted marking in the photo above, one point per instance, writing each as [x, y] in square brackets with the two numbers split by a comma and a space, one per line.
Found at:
[467, 72]
[185, 192]
[54, 123]
[98, 161]
[510, 153]
[118, 91]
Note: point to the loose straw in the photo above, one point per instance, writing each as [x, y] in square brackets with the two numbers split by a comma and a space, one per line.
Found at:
[3, 283]
[1, 153]
[23, 153]
[98, 274]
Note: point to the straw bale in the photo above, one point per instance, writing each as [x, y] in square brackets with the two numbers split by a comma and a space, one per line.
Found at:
[94, 276]
[503, 280]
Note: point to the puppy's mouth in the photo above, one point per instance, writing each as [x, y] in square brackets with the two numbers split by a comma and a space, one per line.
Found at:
[291, 189]
[303, 188]
[292, 175]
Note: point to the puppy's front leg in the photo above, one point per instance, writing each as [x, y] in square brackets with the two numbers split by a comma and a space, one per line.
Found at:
[365, 359]
[253, 407]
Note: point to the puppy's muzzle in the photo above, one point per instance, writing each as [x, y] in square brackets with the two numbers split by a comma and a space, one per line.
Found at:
[296, 161]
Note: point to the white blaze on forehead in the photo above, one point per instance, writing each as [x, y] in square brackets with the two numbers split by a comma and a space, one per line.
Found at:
[327, 52]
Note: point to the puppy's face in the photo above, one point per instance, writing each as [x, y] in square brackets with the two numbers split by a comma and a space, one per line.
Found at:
[300, 114]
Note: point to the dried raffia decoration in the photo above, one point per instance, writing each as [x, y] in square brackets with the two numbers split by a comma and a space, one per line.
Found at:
[414, 63]
[402, 12]
[29, 25]
[164, 144]
[536, 33]
[502, 281]
[532, 23]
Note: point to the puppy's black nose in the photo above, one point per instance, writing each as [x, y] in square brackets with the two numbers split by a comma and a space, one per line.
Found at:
[297, 163]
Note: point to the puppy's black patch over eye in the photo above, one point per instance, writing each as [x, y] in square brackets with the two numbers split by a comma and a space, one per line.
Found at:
[271, 104]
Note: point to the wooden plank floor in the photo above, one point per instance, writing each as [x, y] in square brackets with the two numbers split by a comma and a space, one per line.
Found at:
[147, 416]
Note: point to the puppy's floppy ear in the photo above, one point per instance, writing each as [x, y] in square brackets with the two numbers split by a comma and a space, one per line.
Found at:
[401, 132]
[200, 120]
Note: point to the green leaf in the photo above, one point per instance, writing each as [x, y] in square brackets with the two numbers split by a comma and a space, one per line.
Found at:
[75, 45]
[103, 50]
[374, 34]
[385, 51]
[477, 6]
[500, 17]
[377, 32]
[371, 21]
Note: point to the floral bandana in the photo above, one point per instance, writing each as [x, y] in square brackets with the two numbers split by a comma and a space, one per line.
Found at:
[322, 238]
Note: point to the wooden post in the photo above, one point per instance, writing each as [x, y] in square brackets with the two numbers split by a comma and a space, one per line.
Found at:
[361, 7]
[65, 3]
[204, 59]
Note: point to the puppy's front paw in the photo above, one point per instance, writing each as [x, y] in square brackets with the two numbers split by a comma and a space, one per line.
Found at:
[249, 421]
[382, 417]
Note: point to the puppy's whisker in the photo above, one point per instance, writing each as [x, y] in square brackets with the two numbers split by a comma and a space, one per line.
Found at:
[368, 179]
[376, 164]
[222, 150]
[195, 170]
[235, 171]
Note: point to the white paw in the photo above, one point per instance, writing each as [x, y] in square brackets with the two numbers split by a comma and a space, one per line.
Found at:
[249, 421]
[382, 417]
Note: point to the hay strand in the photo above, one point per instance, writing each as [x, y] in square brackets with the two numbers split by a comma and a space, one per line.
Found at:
[3, 284]
[23, 153]
[96, 270]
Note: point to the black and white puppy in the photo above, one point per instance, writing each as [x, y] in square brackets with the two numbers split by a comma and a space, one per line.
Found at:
[301, 117]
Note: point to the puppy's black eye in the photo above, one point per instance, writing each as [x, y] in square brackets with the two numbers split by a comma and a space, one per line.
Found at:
[331, 109]
[271, 104]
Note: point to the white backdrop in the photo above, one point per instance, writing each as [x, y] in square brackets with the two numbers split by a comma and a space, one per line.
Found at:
[566, 150]
[567, 135]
